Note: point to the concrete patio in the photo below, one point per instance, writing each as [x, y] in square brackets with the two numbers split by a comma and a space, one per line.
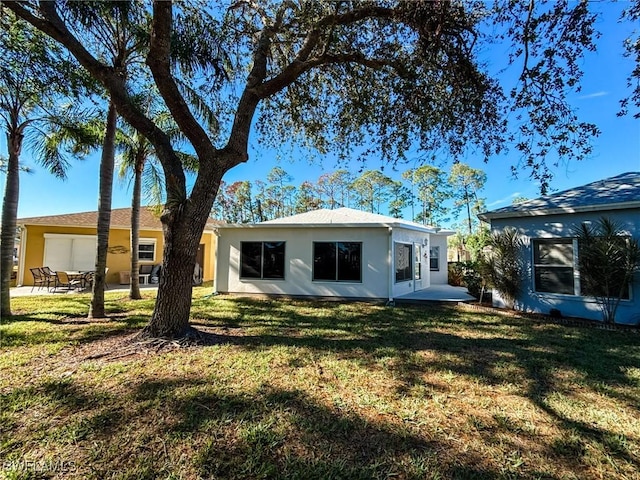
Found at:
[437, 293]
[26, 290]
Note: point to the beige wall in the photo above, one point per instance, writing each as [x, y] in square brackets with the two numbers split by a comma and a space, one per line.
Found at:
[377, 279]
[298, 262]
[119, 256]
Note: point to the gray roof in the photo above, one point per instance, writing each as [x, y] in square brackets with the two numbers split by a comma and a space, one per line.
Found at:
[342, 217]
[621, 191]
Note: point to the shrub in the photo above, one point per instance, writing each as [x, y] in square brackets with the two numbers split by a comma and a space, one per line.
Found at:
[608, 259]
[456, 273]
[502, 265]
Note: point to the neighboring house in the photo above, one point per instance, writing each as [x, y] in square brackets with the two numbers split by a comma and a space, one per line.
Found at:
[68, 242]
[552, 277]
[331, 253]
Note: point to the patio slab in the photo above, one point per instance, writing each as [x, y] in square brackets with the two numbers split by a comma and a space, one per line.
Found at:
[26, 290]
[437, 293]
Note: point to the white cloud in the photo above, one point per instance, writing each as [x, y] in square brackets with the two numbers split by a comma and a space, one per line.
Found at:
[504, 200]
[593, 95]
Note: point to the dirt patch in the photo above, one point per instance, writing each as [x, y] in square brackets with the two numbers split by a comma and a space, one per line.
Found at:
[128, 345]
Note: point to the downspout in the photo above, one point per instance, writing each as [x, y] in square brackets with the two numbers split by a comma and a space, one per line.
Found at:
[390, 302]
[23, 252]
[216, 250]
[427, 264]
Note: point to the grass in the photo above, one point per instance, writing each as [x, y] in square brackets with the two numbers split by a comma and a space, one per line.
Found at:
[306, 390]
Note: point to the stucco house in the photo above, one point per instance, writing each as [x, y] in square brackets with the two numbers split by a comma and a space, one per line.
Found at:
[331, 253]
[68, 242]
[550, 254]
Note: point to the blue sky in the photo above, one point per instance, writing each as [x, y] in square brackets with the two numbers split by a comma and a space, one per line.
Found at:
[615, 151]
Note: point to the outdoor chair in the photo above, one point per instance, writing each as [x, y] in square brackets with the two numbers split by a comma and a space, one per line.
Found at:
[144, 273]
[87, 280]
[63, 280]
[49, 275]
[38, 278]
[89, 277]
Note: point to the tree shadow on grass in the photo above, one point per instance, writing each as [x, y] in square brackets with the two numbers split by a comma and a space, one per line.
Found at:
[77, 330]
[278, 433]
[504, 351]
[271, 433]
[235, 435]
[600, 356]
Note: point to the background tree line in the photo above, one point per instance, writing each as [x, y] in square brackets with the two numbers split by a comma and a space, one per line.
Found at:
[426, 194]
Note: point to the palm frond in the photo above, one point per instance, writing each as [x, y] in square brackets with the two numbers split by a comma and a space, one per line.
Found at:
[197, 44]
[189, 162]
[204, 111]
[153, 183]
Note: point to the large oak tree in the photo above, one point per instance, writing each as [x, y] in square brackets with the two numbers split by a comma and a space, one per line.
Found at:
[385, 75]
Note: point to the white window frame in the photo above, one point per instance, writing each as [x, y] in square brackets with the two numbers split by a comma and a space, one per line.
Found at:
[148, 241]
[576, 271]
[409, 259]
[436, 257]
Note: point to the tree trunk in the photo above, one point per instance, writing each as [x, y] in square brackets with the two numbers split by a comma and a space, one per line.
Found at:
[134, 291]
[9, 218]
[96, 310]
[468, 202]
[182, 235]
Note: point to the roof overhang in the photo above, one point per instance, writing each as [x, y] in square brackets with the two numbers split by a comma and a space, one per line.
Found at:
[416, 228]
[487, 216]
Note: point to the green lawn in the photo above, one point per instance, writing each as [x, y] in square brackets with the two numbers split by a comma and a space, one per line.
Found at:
[307, 390]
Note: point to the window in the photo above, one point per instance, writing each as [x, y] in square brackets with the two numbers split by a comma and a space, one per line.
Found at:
[147, 250]
[554, 266]
[337, 261]
[556, 270]
[609, 280]
[403, 259]
[264, 260]
[434, 259]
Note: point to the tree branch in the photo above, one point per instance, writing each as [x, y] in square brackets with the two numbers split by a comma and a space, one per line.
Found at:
[302, 61]
[52, 25]
[158, 61]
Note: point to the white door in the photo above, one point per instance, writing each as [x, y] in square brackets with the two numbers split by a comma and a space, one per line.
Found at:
[70, 252]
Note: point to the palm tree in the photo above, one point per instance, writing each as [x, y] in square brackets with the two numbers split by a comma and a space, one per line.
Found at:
[30, 80]
[608, 259]
[109, 27]
[502, 265]
[137, 152]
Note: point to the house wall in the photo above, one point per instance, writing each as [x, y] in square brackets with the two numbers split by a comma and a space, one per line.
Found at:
[299, 261]
[562, 226]
[441, 276]
[119, 255]
[401, 235]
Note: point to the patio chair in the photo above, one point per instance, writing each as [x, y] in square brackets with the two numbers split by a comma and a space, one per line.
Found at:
[144, 273]
[63, 280]
[38, 278]
[49, 275]
[87, 279]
